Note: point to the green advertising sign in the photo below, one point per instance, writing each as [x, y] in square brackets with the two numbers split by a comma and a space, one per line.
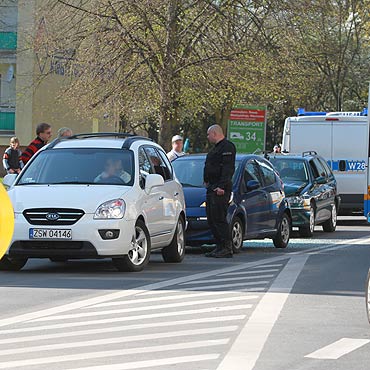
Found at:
[247, 128]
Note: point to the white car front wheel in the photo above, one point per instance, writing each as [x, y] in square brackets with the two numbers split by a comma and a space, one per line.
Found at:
[138, 255]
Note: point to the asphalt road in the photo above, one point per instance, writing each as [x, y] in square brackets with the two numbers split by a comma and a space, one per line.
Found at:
[299, 308]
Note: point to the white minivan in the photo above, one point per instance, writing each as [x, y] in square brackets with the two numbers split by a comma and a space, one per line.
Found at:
[104, 195]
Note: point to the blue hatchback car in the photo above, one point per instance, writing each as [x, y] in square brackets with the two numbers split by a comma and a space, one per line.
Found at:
[257, 210]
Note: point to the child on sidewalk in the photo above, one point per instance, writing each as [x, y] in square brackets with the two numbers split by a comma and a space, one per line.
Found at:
[11, 158]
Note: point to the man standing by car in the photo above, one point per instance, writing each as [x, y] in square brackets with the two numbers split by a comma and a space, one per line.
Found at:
[177, 148]
[218, 172]
[43, 132]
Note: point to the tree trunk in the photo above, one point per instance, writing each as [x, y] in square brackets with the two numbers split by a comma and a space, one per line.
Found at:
[222, 116]
[168, 111]
[168, 123]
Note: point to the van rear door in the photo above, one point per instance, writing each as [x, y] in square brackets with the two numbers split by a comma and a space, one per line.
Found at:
[311, 133]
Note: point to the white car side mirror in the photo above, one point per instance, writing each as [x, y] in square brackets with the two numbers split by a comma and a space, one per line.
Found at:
[153, 180]
[9, 179]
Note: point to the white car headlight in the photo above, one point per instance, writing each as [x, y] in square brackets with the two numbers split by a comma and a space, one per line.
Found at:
[113, 209]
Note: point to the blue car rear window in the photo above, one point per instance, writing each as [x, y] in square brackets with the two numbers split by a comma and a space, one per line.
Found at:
[189, 171]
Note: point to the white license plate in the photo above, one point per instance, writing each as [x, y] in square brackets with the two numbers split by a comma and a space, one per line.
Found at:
[50, 234]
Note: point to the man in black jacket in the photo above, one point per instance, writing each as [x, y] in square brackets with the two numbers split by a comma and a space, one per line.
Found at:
[218, 172]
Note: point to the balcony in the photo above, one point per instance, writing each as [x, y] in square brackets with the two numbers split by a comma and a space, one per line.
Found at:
[7, 121]
[8, 40]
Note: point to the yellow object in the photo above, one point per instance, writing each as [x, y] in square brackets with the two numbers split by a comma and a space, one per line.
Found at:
[6, 221]
[95, 125]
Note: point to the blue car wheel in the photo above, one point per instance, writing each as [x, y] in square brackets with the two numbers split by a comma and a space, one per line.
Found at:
[281, 239]
[237, 233]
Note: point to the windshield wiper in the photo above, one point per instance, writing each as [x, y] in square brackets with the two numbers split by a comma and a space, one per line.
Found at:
[71, 183]
[57, 183]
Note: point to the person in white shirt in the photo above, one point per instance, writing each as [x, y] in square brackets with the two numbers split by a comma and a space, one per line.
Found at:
[177, 145]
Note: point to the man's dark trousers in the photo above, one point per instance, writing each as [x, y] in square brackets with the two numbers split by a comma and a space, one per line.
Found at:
[216, 208]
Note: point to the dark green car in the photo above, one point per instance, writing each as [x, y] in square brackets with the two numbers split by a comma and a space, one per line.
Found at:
[311, 190]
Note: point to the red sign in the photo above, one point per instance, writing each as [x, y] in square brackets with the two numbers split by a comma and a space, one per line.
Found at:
[250, 115]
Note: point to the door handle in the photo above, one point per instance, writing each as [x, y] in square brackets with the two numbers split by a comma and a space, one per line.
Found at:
[161, 198]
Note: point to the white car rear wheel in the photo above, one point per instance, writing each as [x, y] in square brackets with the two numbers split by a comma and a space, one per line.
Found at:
[175, 252]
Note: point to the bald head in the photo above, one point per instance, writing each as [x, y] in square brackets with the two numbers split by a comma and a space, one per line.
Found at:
[215, 134]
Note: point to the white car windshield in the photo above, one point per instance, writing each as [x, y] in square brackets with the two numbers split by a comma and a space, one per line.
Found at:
[99, 166]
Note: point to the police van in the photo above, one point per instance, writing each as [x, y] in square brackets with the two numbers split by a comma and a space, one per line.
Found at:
[342, 138]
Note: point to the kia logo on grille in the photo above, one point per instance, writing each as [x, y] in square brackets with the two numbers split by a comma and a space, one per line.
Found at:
[52, 216]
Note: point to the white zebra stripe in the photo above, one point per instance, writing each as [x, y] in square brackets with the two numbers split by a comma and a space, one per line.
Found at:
[138, 309]
[116, 320]
[118, 340]
[125, 352]
[126, 328]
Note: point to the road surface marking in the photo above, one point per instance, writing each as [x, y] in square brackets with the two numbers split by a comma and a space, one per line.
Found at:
[249, 344]
[164, 298]
[249, 272]
[125, 328]
[131, 292]
[338, 349]
[156, 293]
[167, 283]
[153, 363]
[233, 285]
[220, 280]
[270, 266]
[116, 320]
[144, 308]
[117, 340]
[333, 246]
[125, 352]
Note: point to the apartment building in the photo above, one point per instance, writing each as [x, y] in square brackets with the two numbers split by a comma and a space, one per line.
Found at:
[25, 98]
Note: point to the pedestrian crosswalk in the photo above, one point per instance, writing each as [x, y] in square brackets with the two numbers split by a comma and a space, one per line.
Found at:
[190, 324]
